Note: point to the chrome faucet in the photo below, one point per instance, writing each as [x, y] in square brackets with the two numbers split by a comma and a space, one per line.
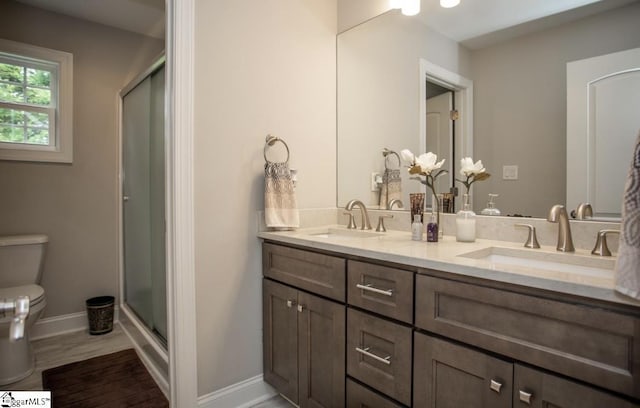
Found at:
[558, 214]
[366, 224]
[393, 202]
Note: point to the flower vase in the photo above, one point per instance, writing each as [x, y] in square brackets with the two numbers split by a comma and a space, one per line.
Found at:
[466, 222]
[417, 205]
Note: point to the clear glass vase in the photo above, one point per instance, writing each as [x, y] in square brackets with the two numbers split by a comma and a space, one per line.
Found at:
[466, 222]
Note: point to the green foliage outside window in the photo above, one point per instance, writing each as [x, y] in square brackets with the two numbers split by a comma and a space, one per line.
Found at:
[23, 85]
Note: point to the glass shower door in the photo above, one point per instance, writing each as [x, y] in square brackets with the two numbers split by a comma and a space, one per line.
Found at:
[143, 188]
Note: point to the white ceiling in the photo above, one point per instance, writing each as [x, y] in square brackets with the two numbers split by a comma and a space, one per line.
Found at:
[140, 16]
[478, 23]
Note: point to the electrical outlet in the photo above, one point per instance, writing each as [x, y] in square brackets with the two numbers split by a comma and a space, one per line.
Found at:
[510, 172]
[376, 179]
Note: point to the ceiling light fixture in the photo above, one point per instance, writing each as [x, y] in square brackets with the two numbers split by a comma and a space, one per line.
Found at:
[410, 7]
[449, 3]
[395, 4]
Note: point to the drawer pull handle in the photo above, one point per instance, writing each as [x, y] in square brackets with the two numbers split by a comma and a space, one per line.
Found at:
[300, 308]
[525, 397]
[291, 303]
[366, 352]
[370, 288]
[496, 386]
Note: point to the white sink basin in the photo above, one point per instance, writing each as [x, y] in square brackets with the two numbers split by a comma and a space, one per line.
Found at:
[344, 232]
[565, 263]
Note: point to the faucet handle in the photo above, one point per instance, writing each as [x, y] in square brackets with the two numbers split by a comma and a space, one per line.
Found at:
[351, 224]
[532, 239]
[381, 227]
[601, 247]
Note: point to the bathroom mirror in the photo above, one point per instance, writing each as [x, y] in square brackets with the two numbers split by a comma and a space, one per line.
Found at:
[519, 90]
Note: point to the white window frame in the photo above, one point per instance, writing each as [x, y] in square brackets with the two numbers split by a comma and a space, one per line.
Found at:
[60, 148]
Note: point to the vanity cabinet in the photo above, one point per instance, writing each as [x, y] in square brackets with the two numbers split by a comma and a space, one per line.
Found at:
[451, 375]
[591, 344]
[340, 330]
[534, 388]
[303, 340]
[304, 334]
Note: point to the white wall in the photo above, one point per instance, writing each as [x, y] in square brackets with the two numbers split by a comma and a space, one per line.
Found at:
[262, 66]
[520, 106]
[75, 204]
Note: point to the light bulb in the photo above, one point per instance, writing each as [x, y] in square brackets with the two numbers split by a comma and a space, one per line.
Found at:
[395, 4]
[449, 3]
[411, 7]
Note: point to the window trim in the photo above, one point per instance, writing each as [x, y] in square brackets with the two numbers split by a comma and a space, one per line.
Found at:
[61, 150]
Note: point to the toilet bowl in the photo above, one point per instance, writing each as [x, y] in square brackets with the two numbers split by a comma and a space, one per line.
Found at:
[21, 259]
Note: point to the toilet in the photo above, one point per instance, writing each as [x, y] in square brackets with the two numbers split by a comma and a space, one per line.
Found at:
[21, 259]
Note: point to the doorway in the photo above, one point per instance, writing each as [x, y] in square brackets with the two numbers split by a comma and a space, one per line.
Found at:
[440, 138]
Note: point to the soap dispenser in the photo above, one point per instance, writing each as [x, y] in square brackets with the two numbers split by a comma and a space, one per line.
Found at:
[491, 206]
[466, 223]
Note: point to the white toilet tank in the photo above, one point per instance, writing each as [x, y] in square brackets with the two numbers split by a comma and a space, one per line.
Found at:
[21, 258]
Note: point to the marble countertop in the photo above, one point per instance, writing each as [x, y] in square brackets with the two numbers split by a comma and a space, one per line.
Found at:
[592, 276]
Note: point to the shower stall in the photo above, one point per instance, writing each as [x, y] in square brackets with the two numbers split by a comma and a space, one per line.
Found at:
[143, 228]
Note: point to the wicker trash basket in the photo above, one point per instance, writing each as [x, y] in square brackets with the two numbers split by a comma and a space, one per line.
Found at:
[100, 314]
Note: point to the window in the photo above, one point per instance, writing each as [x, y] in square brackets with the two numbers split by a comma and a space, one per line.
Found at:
[36, 108]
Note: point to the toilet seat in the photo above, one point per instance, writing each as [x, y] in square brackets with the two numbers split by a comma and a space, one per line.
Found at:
[34, 292]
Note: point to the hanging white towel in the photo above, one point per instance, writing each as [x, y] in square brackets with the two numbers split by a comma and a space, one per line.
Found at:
[391, 187]
[627, 271]
[280, 206]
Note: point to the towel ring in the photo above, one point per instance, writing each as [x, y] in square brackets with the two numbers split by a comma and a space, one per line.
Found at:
[270, 141]
[386, 153]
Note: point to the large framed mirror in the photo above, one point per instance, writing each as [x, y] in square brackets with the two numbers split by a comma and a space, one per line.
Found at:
[519, 113]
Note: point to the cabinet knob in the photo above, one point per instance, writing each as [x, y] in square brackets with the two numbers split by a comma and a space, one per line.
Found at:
[526, 397]
[300, 308]
[291, 303]
[496, 386]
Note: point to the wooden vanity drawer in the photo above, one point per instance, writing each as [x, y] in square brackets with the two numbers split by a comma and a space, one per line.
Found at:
[316, 273]
[591, 344]
[383, 290]
[379, 354]
[359, 396]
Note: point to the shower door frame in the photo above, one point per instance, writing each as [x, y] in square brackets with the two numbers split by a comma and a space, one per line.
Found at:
[138, 332]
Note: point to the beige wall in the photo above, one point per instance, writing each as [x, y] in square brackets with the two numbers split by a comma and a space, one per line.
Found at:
[354, 12]
[520, 106]
[75, 205]
[262, 66]
[378, 97]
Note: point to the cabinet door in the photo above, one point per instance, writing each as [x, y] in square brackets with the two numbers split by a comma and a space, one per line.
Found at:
[280, 338]
[533, 388]
[321, 330]
[447, 375]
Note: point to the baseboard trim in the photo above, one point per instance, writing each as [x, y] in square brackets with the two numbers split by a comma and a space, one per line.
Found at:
[243, 394]
[56, 325]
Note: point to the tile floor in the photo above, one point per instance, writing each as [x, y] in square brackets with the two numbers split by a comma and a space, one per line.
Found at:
[68, 348]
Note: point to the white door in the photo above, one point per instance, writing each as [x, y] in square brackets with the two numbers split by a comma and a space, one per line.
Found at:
[439, 134]
[603, 121]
